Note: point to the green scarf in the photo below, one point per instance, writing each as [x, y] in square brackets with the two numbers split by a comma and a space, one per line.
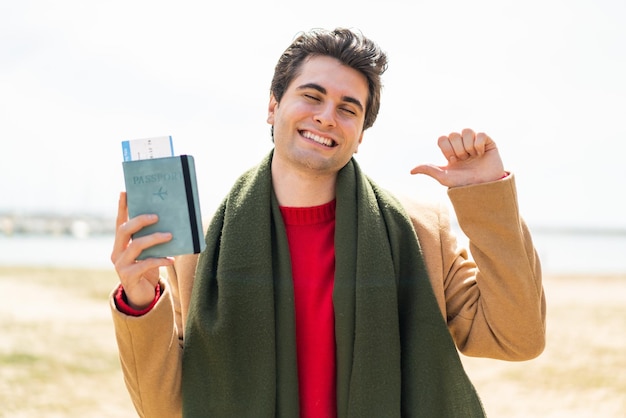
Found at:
[395, 356]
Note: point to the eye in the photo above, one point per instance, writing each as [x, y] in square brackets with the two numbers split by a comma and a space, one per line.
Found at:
[311, 97]
[348, 111]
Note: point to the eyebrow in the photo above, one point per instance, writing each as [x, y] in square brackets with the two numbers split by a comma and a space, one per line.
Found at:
[322, 90]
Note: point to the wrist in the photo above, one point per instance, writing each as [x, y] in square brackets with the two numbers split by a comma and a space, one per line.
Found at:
[124, 306]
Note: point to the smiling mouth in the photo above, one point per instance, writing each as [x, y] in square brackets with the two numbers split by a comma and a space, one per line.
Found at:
[327, 142]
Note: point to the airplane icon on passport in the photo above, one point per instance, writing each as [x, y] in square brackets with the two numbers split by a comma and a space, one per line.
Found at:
[161, 193]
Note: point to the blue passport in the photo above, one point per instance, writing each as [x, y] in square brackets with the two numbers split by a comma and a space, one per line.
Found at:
[166, 187]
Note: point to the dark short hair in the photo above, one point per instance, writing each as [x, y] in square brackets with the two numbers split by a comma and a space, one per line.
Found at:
[349, 47]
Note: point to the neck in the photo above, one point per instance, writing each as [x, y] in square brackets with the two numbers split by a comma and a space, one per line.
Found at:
[299, 189]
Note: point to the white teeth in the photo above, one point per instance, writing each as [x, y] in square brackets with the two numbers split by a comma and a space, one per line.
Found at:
[318, 139]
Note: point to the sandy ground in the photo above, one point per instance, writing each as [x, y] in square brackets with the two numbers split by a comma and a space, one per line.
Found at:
[581, 373]
[58, 356]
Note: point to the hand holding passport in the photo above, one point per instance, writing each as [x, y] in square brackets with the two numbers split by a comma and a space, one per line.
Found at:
[158, 182]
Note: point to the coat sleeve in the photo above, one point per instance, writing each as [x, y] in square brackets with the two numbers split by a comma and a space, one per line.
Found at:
[493, 301]
[151, 346]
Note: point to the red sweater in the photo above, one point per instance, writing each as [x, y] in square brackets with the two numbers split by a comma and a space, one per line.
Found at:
[311, 236]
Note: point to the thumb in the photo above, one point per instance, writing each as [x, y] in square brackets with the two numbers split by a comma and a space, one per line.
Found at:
[431, 170]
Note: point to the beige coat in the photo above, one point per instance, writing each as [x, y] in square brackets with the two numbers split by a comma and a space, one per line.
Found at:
[494, 305]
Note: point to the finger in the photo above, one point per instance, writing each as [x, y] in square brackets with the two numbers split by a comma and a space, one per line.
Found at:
[456, 141]
[125, 231]
[119, 243]
[436, 172]
[447, 149]
[148, 269]
[427, 169]
[140, 279]
[122, 210]
[134, 274]
[135, 247]
[469, 144]
[484, 142]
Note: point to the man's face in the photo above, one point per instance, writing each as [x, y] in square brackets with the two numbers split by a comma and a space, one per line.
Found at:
[318, 124]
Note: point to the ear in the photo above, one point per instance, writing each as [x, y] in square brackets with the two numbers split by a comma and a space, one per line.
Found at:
[271, 109]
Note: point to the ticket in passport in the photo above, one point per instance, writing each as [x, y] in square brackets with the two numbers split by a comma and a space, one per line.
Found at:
[148, 148]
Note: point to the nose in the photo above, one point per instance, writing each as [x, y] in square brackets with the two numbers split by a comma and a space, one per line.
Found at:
[325, 115]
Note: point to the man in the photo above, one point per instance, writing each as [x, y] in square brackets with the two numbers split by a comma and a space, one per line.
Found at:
[319, 294]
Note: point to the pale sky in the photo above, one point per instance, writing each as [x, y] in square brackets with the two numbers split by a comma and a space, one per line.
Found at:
[545, 79]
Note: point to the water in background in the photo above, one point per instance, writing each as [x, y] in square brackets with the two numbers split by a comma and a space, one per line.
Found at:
[560, 252]
[584, 253]
[56, 251]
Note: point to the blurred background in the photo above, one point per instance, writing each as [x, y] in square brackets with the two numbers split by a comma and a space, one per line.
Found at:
[544, 78]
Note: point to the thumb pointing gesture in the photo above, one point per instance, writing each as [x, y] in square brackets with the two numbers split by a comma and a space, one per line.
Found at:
[472, 159]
